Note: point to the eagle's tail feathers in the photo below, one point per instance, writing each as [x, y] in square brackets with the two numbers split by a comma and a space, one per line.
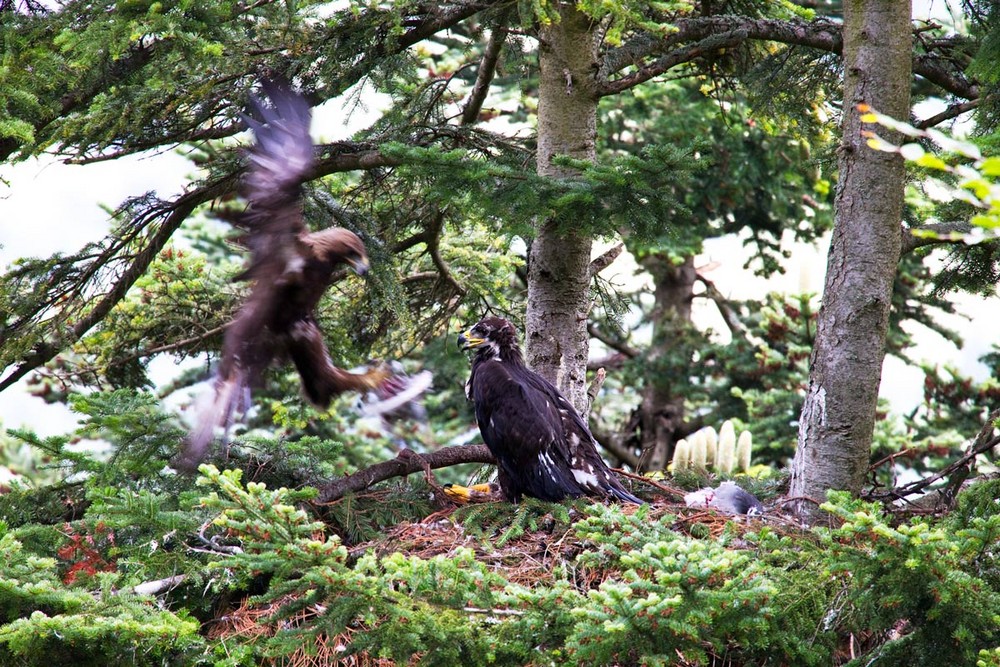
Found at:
[623, 495]
[217, 408]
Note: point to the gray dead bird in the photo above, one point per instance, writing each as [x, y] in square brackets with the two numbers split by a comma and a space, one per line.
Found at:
[728, 498]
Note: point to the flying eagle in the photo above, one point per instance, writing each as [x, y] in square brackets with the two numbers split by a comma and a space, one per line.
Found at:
[290, 268]
[542, 445]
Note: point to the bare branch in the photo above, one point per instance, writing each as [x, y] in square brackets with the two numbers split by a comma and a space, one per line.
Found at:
[613, 361]
[602, 262]
[401, 466]
[942, 233]
[725, 308]
[952, 111]
[595, 387]
[613, 343]
[344, 156]
[487, 70]
[158, 586]
[613, 444]
[678, 493]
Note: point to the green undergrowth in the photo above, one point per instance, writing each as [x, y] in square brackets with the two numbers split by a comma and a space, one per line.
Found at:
[124, 562]
[264, 577]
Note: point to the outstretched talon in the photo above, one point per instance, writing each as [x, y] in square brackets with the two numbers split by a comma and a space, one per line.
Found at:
[395, 393]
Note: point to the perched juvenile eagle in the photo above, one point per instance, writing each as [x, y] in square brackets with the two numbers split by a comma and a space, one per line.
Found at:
[290, 269]
[542, 446]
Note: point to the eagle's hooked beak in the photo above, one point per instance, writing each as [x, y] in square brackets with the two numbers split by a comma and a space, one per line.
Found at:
[360, 265]
[467, 341]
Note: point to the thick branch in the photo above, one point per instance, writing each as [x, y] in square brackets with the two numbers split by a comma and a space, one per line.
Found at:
[343, 156]
[613, 343]
[602, 262]
[678, 56]
[952, 111]
[696, 37]
[434, 248]
[406, 463]
[487, 70]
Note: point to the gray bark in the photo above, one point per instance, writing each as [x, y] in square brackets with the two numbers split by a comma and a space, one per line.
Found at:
[556, 343]
[661, 414]
[838, 417]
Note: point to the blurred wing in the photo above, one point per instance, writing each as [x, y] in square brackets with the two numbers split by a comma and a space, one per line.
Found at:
[280, 161]
[212, 410]
[399, 394]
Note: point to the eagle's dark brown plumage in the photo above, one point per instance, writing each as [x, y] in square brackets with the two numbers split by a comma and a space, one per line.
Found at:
[290, 269]
[542, 445]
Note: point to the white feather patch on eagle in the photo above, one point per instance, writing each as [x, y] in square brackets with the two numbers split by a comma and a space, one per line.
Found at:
[295, 264]
[586, 477]
[550, 466]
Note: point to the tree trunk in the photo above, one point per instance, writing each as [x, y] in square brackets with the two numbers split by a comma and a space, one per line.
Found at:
[559, 264]
[838, 417]
[661, 415]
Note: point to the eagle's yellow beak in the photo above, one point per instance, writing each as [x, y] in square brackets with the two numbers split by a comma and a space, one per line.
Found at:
[467, 341]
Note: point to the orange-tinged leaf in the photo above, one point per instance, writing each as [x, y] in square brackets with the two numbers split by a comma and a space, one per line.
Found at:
[880, 144]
